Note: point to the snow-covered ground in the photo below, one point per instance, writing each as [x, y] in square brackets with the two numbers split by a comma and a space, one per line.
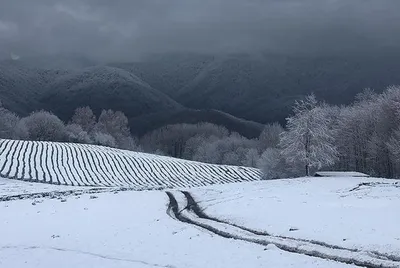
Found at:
[358, 216]
[90, 165]
[358, 213]
[15, 187]
[126, 229]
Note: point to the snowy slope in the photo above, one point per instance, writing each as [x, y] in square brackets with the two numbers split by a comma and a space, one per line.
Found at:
[89, 165]
[353, 213]
[124, 230]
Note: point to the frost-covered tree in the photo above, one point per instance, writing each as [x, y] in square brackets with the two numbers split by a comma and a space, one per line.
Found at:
[104, 139]
[308, 140]
[251, 158]
[273, 165]
[85, 118]
[75, 133]
[43, 126]
[116, 125]
[8, 123]
[128, 143]
[113, 123]
[232, 150]
[394, 145]
[181, 140]
[270, 136]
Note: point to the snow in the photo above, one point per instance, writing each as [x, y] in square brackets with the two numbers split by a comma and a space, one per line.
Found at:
[357, 213]
[127, 229]
[340, 174]
[90, 165]
[304, 222]
[14, 187]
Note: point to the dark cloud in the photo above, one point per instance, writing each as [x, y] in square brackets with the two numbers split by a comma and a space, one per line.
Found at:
[123, 29]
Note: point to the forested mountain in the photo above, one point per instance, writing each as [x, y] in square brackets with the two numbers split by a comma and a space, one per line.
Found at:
[104, 87]
[190, 88]
[263, 87]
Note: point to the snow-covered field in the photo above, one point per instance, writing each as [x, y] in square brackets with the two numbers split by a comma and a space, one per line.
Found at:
[127, 229]
[90, 165]
[352, 219]
[355, 213]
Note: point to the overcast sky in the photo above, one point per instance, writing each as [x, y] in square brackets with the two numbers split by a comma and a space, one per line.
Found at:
[123, 29]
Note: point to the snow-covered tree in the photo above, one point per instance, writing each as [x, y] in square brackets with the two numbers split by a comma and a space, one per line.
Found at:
[272, 164]
[8, 123]
[394, 145]
[43, 126]
[269, 137]
[116, 125]
[113, 123]
[181, 140]
[104, 139]
[308, 140]
[75, 133]
[251, 158]
[85, 118]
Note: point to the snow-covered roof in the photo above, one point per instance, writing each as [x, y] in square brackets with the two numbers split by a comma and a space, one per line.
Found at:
[340, 174]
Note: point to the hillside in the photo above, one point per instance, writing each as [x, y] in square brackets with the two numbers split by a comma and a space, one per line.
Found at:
[168, 72]
[89, 165]
[22, 86]
[104, 87]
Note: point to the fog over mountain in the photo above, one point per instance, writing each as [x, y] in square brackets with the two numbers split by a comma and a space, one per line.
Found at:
[124, 30]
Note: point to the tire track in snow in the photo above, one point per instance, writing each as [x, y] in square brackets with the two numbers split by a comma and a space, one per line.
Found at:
[191, 213]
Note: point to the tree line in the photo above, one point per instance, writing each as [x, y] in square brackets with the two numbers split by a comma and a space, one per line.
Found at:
[109, 129]
[364, 137]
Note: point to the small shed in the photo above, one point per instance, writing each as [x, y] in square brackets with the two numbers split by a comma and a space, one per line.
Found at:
[340, 174]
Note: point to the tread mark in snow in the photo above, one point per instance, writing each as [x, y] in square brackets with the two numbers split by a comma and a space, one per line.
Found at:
[197, 217]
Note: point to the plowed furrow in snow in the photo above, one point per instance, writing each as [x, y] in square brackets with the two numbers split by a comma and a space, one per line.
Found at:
[91, 165]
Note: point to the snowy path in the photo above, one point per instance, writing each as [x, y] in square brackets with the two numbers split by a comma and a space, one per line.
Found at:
[183, 207]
